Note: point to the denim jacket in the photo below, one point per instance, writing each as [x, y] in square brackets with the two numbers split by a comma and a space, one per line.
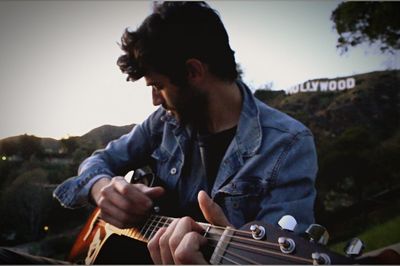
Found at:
[268, 170]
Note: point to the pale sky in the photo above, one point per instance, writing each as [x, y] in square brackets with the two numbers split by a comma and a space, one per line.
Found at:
[58, 73]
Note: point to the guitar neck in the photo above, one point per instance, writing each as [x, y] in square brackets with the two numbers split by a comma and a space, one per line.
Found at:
[146, 232]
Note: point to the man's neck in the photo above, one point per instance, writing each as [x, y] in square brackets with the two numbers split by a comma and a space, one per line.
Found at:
[224, 106]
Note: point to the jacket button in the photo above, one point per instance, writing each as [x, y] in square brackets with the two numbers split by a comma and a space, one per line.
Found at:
[173, 171]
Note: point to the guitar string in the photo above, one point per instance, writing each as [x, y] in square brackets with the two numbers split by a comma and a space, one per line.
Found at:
[144, 226]
[130, 232]
[251, 248]
[259, 250]
[238, 238]
[246, 259]
[154, 231]
[230, 260]
[264, 252]
[260, 243]
[235, 255]
[154, 216]
[242, 232]
[244, 246]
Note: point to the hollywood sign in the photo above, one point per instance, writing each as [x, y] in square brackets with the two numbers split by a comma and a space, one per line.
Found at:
[324, 85]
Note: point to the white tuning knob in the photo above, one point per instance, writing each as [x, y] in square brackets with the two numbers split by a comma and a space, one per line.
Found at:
[288, 222]
[354, 247]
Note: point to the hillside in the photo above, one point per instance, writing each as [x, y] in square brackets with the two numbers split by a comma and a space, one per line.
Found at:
[357, 133]
[97, 138]
[104, 134]
[374, 103]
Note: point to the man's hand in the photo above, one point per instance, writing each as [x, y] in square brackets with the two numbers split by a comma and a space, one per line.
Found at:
[123, 204]
[180, 242]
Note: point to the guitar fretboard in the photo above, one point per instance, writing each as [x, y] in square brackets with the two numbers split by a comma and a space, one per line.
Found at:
[146, 232]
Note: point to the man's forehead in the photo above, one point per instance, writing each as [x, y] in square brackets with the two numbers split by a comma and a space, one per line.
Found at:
[152, 78]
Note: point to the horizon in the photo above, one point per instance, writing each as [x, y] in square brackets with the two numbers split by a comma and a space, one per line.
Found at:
[68, 82]
[288, 93]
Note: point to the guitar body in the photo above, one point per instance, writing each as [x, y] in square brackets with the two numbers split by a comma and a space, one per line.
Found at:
[123, 250]
[96, 244]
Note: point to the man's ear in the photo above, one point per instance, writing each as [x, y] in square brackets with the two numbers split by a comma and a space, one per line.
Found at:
[196, 70]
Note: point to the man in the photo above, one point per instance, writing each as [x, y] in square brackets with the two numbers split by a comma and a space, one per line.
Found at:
[220, 154]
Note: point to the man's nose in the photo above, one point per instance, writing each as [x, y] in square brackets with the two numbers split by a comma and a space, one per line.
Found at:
[157, 98]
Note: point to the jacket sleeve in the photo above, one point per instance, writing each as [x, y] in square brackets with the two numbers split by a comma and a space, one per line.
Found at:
[292, 190]
[126, 153]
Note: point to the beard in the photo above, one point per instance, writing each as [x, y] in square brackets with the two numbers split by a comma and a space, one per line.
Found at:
[191, 107]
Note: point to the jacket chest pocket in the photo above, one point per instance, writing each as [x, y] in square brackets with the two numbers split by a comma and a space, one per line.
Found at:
[167, 168]
[241, 200]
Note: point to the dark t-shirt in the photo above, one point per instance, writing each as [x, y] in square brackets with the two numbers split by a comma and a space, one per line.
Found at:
[212, 150]
[208, 150]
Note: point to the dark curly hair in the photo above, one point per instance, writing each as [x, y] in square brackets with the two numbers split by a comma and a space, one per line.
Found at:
[173, 33]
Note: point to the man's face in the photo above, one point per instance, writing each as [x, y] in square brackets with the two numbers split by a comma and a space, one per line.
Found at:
[188, 104]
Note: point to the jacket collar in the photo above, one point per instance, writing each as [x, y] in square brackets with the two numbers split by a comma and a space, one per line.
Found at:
[248, 135]
[246, 142]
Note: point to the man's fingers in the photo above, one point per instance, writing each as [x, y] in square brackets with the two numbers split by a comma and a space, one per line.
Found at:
[152, 192]
[119, 201]
[131, 193]
[165, 251]
[154, 246]
[188, 250]
[111, 220]
[211, 210]
[179, 243]
[114, 215]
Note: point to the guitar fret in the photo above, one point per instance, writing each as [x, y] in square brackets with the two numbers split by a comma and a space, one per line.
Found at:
[142, 234]
[156, 227]
[168, 221]
[206, 231]
[148, 230]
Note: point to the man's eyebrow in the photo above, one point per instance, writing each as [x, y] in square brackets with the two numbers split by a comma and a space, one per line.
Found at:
[152, 83]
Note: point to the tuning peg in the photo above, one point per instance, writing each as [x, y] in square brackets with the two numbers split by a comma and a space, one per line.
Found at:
[257, 231]
[318, 234]
[354, 248]
[287, 245]
[320, 258]
[288, 222]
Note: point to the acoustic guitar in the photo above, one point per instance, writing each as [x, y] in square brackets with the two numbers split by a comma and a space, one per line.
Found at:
[254, 243]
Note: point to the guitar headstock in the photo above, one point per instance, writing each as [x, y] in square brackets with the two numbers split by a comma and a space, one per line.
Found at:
[261, 243]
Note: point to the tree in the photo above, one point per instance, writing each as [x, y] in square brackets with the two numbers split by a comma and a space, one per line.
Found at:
[25, 204]
[370, 22]
[70, 144]
[29, 145]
